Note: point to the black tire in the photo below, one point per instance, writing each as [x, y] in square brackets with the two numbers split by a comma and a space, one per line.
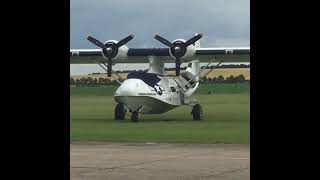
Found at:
[197, 112]
[119, 112]
[135, 116]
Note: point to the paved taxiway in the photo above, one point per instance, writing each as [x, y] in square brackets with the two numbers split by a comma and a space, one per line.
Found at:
[133, 161]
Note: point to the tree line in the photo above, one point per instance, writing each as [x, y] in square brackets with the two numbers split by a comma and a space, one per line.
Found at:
[220, 79]
[93, 81]
[105, 81]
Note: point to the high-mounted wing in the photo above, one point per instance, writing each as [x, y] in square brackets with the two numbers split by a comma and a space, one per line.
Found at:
[236, 54]
[133, 55]
[85, 56]
[178, 51]
[140, 55]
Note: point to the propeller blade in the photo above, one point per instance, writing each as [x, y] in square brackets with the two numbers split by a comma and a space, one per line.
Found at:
[193, 39]
[163, 40]
[96, 42]
[109, 67]
[125, 40]
[177, 66]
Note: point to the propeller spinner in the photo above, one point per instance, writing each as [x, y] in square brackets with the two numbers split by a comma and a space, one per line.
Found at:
[178, 48]
[110, 49]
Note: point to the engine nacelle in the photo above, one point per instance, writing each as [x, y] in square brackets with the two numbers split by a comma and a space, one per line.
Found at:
[188, 53]
[119, 54]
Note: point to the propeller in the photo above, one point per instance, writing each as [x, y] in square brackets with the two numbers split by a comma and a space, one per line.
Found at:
[178, 48]
[110, 49]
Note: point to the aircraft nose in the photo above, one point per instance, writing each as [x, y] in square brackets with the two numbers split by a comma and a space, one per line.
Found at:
[128, 88]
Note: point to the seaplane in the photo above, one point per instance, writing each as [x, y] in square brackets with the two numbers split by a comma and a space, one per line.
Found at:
[155, 91]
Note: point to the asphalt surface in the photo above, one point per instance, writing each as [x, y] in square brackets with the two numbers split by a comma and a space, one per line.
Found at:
[140, 161]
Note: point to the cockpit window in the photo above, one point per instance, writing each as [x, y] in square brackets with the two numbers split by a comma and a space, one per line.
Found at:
[173, 89]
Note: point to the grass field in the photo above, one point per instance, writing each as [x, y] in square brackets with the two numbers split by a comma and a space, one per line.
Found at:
[108, 90]
[226, 110]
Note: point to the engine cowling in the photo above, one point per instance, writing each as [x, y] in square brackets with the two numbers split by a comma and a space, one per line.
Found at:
[188, 53]
[112, 49]
[180, 50]
[119, 54]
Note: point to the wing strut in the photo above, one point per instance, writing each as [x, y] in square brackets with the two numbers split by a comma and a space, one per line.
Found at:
[201, 70]
[214, 67]
[210, 62]
[119, 82]
[114, 72]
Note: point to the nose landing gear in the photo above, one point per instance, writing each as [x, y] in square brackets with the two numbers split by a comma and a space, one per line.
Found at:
[135, 116]
[120, 113]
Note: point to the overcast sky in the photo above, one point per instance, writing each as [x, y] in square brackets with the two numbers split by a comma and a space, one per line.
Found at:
[223, 22]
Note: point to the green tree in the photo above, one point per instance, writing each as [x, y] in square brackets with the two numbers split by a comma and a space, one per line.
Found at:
[101, 80]
[83, 80]
[220, 79]
[240, 78]
[204, 80]
[107, 80]
[214, 79]
[230, 79]
[72, 81]
[89, 80]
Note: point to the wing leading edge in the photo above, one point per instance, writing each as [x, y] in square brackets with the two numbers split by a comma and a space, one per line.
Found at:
[237, 54]
[140, 55]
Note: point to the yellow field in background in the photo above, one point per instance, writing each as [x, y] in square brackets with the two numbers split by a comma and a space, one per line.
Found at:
[225, 72]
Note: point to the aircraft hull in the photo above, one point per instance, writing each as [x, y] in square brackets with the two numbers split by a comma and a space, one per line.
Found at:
[148, 105]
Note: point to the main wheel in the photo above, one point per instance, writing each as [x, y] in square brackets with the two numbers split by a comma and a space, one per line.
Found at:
[197, 112]
[119, 112]
[135, 116]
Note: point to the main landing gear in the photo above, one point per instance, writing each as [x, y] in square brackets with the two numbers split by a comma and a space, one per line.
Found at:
[197, 112]
[120, 112]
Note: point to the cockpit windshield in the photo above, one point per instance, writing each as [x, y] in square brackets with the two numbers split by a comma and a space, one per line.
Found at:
[148, 78]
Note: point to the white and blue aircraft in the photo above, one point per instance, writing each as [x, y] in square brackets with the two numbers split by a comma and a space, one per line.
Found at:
[154, 91]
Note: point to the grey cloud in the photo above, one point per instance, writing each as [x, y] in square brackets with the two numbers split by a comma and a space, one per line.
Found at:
[219, 20]
[223, 22]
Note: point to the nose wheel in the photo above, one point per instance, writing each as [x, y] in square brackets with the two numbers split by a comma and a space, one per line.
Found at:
[197, 112]
[120, 112]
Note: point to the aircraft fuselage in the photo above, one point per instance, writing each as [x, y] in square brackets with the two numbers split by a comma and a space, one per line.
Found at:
[149, 94]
